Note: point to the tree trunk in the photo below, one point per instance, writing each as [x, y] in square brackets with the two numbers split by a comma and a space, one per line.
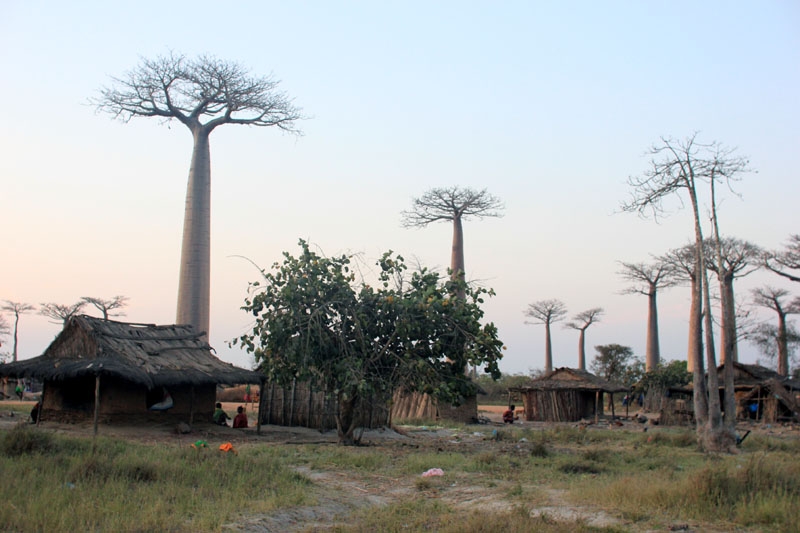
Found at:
[783, 346]
[548, 349]
[695, 351]
[16, 328]
[728, 329]
[195, 269]
[346, 418]
[581, 351]
[457, 254]
[728, 335]
[653, 351]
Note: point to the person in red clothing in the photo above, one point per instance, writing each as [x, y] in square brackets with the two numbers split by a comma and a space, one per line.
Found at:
[240, 420]
[508, 415]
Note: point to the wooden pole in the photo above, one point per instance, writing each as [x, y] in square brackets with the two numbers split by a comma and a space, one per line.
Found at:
[260, 406]
[291, 405]
[613, 415]
[191, 405]
[96, 409]
[597, 406]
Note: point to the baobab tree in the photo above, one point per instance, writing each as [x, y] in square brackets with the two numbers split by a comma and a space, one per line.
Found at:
[106, 306]
[730, 258]
[786, 260]
[17, 308]
[452, 204]
[682, 262]
[648, 279]
[581, 322]
[546, 312]
[774, 298]
[61, 313]
[201, 94]
[677, 167]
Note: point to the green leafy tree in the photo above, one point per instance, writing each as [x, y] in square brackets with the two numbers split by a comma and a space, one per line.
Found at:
[616, 363]
[314, 322]
[672, 374]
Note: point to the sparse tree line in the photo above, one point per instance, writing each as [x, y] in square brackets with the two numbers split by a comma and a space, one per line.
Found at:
[60, 313]
[691, 173]
[776, 338]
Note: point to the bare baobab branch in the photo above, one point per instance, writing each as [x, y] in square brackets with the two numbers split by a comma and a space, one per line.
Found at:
[788, 259]
[648, 279]
[61, 313]
[581, 322]
[105, 306]
[453, 204]
[546, 312]
[774, 298]
[17, 308]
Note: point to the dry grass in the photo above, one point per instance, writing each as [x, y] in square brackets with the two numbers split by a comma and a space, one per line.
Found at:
[521, 479]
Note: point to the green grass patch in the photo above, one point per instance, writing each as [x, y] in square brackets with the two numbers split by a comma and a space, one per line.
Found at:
[56, 483]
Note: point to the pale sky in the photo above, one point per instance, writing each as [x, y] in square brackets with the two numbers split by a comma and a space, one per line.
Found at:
[550, 106]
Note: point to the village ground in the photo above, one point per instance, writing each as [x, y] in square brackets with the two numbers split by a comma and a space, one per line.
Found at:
[340, 493]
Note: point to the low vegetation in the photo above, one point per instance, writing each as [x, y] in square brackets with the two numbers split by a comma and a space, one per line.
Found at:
[495, 478]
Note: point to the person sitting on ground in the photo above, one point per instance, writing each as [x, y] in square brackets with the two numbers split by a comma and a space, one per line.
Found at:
[508, 415]
[240, 420]
[35, 413]
[220, 417]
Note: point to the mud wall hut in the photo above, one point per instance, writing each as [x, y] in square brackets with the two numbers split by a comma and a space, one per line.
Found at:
[117, 371]
[565, 395]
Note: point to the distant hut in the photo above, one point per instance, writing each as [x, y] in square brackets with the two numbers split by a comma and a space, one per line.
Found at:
[763, 394]
[117, 371]
[565, 395]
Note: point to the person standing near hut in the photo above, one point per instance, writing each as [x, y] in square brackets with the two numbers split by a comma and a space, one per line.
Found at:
[240, 420]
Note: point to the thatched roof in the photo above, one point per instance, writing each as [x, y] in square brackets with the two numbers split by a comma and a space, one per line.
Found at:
[746, 376]
[145, 354]
[570, 379]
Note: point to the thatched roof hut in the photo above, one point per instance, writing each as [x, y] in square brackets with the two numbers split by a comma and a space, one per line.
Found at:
[122, 369]
[763, 394]
[565, 395]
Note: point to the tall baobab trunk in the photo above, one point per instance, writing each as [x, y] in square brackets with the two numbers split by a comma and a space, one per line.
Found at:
[582, 350]
[783, 348]
[195, 271]
[548, 349]
[16, 330]
[457, 254]
[653, 351]
[695, 353]
[727, 331]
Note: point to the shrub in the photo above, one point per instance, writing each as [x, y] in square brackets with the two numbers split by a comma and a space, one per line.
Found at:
[24, 440]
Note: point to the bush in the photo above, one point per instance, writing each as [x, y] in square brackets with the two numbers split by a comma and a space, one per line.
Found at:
[24, 440]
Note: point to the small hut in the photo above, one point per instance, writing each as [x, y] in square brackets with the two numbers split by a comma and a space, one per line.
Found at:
[762, 394]
[565, 395]
[117, 371]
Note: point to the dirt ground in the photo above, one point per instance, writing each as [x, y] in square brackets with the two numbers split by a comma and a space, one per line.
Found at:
[340, 493]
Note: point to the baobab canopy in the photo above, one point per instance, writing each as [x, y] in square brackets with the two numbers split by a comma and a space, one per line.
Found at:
[201, 93]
